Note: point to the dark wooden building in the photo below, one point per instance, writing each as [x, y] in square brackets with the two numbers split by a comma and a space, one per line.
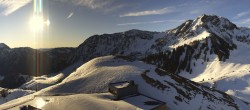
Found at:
[128, 91]
[123, 89]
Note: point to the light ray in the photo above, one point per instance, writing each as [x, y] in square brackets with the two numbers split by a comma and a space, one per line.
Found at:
[37, 21]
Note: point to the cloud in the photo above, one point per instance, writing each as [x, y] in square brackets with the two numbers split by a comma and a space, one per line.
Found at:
[114, 7]
[239, 15]
[70, 15]
[150, 12]
[150, 22]
[102, 5]
[10, 6]
[245, 21]
[196, 12]
[93, 4]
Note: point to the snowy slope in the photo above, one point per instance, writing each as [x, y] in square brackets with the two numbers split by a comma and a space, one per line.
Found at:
[14, 94]
[231, 76]
[210, 50]
[177, 92]
[102, 101]
[44, 81]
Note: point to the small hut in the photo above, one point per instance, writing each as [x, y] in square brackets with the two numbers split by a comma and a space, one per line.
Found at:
[123, 89]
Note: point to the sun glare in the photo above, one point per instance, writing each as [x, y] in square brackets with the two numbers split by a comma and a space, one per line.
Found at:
[36, 23]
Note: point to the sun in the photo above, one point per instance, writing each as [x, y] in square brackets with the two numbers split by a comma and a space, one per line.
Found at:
[37, 23]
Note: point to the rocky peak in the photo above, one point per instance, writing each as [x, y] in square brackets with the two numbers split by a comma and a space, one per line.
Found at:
[217, 21]
[213, 24]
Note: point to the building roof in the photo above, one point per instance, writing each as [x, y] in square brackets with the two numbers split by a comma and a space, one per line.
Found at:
[120, 84]
[143, 102]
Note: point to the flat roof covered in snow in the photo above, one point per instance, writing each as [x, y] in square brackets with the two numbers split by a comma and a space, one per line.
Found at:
[120, 84]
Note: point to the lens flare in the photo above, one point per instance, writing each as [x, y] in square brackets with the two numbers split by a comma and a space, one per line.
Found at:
[37, 21]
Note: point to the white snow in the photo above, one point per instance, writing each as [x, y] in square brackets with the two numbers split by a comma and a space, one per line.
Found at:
[121, 85]
[232, 76]
[14, 94]
[102, 101]
[94, 76]
[42, 82]
[188, 41]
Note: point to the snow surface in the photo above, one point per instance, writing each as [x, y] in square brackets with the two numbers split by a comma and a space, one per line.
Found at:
[95, 75]
[102, 101]
[232, 76]
[14, 94]
[182, 41]
[121, 85]
[42, 82]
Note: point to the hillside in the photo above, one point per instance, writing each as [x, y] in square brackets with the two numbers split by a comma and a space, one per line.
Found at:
[176, 91]
[15, 62]
[217, 57]
[24, 60]
[102, 101]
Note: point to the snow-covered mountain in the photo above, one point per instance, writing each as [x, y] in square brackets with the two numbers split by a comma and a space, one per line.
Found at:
[133, 42]
[211, 28]
[210, 50]
[95, 75]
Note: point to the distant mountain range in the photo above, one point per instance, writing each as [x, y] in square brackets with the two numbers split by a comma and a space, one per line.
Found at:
[17, 61]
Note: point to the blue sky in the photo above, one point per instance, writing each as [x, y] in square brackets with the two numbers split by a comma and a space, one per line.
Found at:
[72, 21]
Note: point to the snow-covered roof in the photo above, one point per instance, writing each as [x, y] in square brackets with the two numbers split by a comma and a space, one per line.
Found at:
[122, 84]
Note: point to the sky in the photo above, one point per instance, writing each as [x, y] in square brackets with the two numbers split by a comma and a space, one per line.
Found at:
[67, 23]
